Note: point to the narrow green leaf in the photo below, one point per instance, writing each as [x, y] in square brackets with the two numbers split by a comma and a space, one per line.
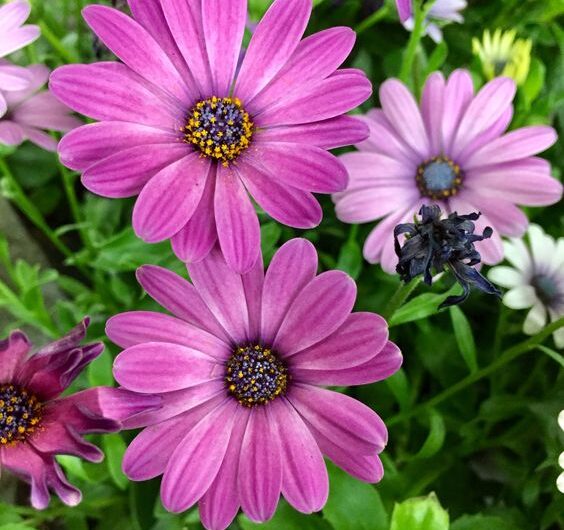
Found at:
[350, 259]
[421, 306]
[464, 338]
[115, 447]
[435, 438]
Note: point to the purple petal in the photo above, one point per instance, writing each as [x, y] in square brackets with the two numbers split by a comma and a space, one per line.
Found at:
[18, 38]
[127, 172]
[224, 26]
[14, 77]
[154, 367]
[315, 58]
[170, 198]
[403, 113]
[197, 459]
[405, 9]
[458, 94]
[260, 467]
[13, 350]
[381, 366]
[275, 39]
[83, 147]
[180, 297]
[136, 48]
[288, 205]
[301, 166]
[336, 95]
[44, 111]
[328, 134]
[222, 291]
[253, 282]
[361, 336]
[432, 109]
[11, 133]
[296, 259]
[195, 241]
[14, 14]
[238, 228]
[318, 310]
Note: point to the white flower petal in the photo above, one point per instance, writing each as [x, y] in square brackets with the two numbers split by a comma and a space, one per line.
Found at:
[506, 276]
[517, 254]
[543, 247]
[520, 297]
[536, 319]
[559, 333]
[560, 483]
[561, 420]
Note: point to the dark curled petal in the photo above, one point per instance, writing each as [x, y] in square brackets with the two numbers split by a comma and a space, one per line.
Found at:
[433, 244]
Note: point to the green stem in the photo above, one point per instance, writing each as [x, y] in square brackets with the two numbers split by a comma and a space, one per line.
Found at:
[65, 54]
[413, 43]
[399, 298]
[506, 357]
[374, 18]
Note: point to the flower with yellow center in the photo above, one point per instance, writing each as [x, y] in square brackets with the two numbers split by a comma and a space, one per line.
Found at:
[501, 54]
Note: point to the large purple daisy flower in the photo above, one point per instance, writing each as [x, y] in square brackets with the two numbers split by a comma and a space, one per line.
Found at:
[239, 369]
[453, 151]
[191, 133]
[36, 424]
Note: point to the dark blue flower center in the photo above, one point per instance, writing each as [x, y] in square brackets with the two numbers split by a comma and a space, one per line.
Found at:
[546, 288]
[20, 414]
[439, 178]
[256, 375]
[219, 128]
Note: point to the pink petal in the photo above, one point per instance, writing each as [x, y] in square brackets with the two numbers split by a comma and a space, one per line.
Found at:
[18, 38]
[253, 282]
[405, 9]
[11, 133]
[12, 352]
[458, 94]
[432, 109]
[14, 77]
[170, 198]
[14, 14]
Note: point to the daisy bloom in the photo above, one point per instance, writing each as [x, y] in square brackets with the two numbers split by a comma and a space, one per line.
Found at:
[31, 111]
[36, 424]
[560, 480]
[442, 11]
[240, 368]
[502, 54]
[13, 36]
[536, 279]
[451, 150]
[193, 134]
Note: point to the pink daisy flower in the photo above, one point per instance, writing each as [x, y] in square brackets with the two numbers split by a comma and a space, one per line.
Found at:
[239, 369]
[13, 36]
[452, 150]
[32, 110]
[193, 135]
[36, 424]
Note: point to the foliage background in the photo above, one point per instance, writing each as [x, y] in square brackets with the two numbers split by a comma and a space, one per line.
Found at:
[472, 414]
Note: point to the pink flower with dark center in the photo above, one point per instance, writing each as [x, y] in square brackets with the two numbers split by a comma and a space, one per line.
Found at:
[13, 36]
[193, 135]
[452, 150]
[32, 110]
[36, 424]
[240, 368]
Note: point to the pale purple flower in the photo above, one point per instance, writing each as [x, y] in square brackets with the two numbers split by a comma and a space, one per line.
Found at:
[193, 136]
[13, 36]
[442, 11]
[36, 423]
[32, 111]
[239, 369]
[452, 150]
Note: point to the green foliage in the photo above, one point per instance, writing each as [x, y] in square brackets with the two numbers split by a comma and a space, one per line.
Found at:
[423, 513]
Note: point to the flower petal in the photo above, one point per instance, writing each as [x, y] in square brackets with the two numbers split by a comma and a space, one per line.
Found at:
[520, 297]
[13, 351]
[432, 109]
[459, 92]
[506, 276]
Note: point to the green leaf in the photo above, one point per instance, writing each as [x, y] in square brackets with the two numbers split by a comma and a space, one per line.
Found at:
[353, 505]
[115, 447]
[481, 522]
[269, 235]
[421, 306]
[435, 438]
[437, 58]
[16, 526]
[100, 370]
[399, 387]
[423, 513]
[535, 80]
[464, 338]
[286, 518]
[350, 259]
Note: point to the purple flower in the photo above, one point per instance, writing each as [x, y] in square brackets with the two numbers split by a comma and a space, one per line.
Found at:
[239, 368]
[441, 11]
[31, 110]
[36, 424]
[451, 151]
[14, 36]
[193, 135]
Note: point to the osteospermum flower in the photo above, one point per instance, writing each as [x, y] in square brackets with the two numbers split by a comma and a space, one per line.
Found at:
[442, 11]
[191, 134]
[239, 368]
[32, 110]
[536, 279]
[36, 423]
[450, 150]
[13, 36]
[502, 54]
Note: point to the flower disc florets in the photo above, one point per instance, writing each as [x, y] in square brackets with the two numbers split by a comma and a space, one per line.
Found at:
[439, 178]
[20, 414]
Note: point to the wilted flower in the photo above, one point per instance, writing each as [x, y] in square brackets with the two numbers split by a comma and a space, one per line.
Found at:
[502, 54]
[239, 368]
[536, 279]
[442, 11]
[13, 36]
[451, 151]
[31, 110]
[190, 133]
[36, 423]
[433, 245]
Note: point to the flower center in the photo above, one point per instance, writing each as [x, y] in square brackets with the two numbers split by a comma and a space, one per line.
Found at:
[20, 413]
[255, 375]
[499, 66]
[546, 288]
[439, 178]
[219, 128]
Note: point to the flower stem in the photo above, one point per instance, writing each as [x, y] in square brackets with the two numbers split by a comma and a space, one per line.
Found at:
[64, 53]
[369, 21]
[399, 298]
[506, 357]
[414, 39]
